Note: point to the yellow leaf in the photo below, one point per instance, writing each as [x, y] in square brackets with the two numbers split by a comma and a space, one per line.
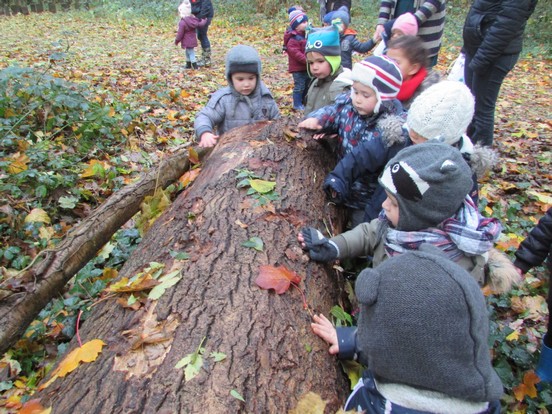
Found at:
[37, 215]
[94, 167]
[489, 211]
[543, 198]
[310, 403]
[19, 163]
[514, 336]
[88, 352]
[262, 186]
[111, 111]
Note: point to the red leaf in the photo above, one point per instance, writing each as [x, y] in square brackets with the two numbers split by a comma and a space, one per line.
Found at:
[277, 278]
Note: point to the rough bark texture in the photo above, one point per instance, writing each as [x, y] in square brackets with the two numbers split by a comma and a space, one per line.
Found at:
[273, 358]
[30, 293]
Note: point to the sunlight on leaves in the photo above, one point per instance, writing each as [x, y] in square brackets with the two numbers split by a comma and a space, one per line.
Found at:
[278, 278]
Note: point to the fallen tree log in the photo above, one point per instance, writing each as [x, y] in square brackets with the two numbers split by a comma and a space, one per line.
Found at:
[272, 359]
[40, 283]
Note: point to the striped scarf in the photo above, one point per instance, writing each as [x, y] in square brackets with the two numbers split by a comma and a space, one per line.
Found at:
[467, 233]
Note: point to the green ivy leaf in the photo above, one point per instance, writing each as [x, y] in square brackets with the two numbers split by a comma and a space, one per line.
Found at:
[179, 255]
[254, 243]
[167, 281]
[68, 202]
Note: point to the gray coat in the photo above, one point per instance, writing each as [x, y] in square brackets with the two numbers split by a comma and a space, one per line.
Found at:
[228, 109]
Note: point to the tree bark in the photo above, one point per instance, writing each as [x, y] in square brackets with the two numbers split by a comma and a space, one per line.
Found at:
[22, 301]
[272, 357]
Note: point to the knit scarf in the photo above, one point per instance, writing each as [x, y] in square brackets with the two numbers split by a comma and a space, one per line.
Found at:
[467, 233]
[409, 86]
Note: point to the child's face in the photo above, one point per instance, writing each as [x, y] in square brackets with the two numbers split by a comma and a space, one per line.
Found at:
[244, 82]
[364, 98]
[408, 69]
[391, 208]
[415, 137]
[396, 33]
[319, 67]
[302, 27]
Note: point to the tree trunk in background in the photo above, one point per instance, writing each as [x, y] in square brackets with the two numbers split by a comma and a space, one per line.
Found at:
[272, 357]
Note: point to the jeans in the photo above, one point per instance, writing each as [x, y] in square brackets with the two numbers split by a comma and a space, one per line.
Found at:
[485, 88]
[202, 35]
[300, 84]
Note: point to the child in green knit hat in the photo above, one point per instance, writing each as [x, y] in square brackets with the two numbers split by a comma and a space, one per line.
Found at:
[324, 64]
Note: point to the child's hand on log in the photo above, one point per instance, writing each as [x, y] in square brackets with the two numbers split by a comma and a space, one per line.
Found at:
[208, 140]
[325, 330]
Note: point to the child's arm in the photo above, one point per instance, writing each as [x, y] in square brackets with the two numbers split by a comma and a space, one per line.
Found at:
[362, 47]
[325, 330]
[536, 247]
[310, 123]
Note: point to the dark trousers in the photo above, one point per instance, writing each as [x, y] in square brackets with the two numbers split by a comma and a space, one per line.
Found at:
[202, 35]
[300, 86]
[485, 88]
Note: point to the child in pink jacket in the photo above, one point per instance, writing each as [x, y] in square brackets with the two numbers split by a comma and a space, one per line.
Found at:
[186, 35]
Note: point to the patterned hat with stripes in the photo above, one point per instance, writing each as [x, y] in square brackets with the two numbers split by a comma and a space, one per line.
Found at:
[381, 74]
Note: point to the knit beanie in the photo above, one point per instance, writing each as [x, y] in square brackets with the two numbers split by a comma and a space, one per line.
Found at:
[407, 24]
[443, 111]
[328, 17]
[423, 322]
[325, 41]
[430, 182]
[185, 9]
[343, 14]
[381, 74]
[296, 17]
[242, 58]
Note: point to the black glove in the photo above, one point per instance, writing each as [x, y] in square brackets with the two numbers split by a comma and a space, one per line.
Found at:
[319, 247]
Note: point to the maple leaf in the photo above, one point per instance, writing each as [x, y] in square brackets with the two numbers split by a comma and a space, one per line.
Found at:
[88, 352]
[278, 278]
[34, 407]
[527, 388]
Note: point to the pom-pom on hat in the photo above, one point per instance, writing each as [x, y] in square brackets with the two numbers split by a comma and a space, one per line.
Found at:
[430, 182]
[185, 9]
[296, 17]
[343, 14]
[442, 112]
[407, 24]
[381, 74]
[423, 322]
[325, 41]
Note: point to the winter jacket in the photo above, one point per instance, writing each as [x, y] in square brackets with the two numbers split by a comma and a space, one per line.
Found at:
[349, 44]
[323, 92]
[430, 15]
[537, 246]
[368, 240]
[294, 44]
[494, 28]
[186, 35]
[352, 128]
[228, 109]
[355, 178]
[202, 9]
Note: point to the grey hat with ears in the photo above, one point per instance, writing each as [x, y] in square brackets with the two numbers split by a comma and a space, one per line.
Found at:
[430, 182]
[242, 58]
[423, 322]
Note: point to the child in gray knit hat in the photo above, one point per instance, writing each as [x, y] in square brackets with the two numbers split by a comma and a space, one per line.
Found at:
[422, 337]
[427, 202]
[245, 100]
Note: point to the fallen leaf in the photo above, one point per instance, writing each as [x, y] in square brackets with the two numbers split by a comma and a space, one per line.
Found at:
[34, 407]
[262, 186]
[277, 278]
[236, 395]
[527, 388]
[310, 403]
[37, 215]
[88, 352]
[254, 243]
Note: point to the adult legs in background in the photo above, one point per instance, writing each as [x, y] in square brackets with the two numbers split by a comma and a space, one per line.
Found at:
[485, 88]
[205, 44]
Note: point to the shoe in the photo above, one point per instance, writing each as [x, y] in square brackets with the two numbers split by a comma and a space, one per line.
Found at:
[544, 367]
[188, 65]
[194, 65]
[205, 58]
